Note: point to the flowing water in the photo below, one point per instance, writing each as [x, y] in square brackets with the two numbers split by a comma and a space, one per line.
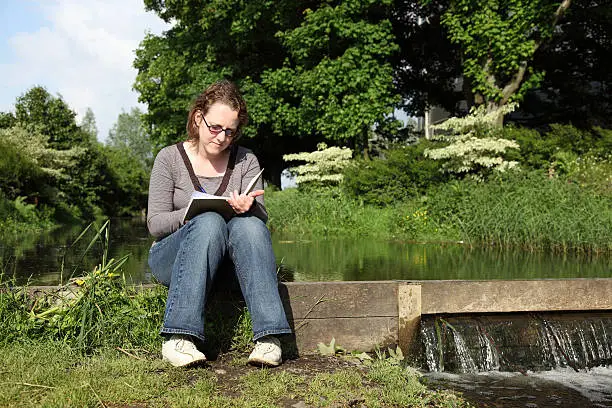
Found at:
[521, 360]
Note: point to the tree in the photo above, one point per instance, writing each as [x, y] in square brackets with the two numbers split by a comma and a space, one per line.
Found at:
[7, 120]
[427, 65]
[577, 86]
[38, 110]
[498, 41]
[88, 124]
[124, 185]
[30, 168]
[129, 133]
[337, 81]
[309, 70]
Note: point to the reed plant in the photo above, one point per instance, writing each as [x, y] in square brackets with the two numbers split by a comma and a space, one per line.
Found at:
[97, 309]
[326, 212]
[528, 210]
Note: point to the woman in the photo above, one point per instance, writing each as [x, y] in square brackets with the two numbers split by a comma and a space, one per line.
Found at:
[186, 257]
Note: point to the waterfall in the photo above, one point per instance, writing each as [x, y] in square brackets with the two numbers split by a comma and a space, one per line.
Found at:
[516, 342]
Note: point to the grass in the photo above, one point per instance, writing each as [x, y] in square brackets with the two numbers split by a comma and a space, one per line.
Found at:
[524, 210]
[329, 212]
[527, 211]
[52, 374]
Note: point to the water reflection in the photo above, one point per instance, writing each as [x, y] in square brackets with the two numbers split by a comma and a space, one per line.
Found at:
[39, 259]
[44, 259]
[367, 259]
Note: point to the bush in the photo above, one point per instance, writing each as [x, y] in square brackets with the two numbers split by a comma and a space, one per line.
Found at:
[401, 174]
[19, 217]
[540, 150]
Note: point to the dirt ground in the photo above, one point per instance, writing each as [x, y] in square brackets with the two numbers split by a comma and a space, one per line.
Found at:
[229, 372]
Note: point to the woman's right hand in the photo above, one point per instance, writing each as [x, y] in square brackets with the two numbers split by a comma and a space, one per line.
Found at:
[242, 203]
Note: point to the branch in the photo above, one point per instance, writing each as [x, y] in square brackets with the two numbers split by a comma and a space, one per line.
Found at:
[560, 11]
[513, 85]
[556, 17]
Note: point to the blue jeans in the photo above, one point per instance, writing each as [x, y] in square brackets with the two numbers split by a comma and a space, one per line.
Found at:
[187, 261]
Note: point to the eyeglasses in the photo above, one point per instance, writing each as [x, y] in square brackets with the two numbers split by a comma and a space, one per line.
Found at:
[216, 129]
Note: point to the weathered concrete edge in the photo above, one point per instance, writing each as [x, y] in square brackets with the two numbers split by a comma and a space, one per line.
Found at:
[348, 312]
[516, 295]
[492, 296]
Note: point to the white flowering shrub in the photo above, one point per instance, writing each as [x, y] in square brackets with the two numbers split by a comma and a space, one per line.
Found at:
[323, 166]
[35, 146]
[473, 149]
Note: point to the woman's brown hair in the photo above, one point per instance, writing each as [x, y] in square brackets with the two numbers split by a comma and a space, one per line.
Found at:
[225, 92]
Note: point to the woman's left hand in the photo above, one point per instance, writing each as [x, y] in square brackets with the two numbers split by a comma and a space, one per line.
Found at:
[242, 203]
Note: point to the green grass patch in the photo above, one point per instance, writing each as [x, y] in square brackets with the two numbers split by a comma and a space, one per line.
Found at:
[329, 212]
[526, 210]
[52, 374]
[523, 210]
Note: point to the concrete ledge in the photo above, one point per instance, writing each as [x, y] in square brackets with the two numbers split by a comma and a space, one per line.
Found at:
[500, 296]
[363, 315]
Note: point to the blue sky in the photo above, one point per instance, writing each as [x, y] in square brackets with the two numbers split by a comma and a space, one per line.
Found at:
[80, 49]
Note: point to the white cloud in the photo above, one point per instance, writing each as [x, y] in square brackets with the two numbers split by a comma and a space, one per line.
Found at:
[84, 52]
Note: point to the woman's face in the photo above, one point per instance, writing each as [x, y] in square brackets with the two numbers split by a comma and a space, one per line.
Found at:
[217, 128]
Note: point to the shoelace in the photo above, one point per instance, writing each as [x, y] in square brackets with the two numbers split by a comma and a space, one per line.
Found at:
[184, 346]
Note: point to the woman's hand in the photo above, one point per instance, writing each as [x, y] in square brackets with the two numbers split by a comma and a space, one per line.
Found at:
[242, 203]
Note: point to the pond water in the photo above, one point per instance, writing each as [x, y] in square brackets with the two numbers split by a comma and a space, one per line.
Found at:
[43, 260]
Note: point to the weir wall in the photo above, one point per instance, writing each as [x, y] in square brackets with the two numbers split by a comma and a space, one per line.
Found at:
[364, 315]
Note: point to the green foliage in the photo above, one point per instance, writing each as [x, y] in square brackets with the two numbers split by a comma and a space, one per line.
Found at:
[323, 167]
[539, 150]
[591, 172]
[400, 174]
[62, 169]
[30, 160]
[38, 110]
[126, 182]
[498, 40]
[526, 210]
[20, 217]
[308, 70]
[7, 120]
[337, 80]
[327, 212]
[18, 172]
[88, 125]
[100, 312]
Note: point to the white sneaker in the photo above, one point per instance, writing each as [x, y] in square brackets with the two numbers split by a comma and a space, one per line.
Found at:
[180, 351]
[267, 352]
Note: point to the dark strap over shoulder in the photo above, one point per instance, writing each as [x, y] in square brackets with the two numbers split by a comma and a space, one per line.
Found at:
[194, 179]
[228, 172]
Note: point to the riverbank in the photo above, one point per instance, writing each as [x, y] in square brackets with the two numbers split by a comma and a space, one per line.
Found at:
[527, 211]
[51, 374]
[100, 346]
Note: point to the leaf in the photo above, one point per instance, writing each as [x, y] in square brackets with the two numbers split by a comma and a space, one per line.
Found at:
[364, 357]
[327, 350]
[399, 355]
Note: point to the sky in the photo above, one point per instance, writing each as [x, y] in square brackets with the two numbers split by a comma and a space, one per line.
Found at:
[82, 50]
